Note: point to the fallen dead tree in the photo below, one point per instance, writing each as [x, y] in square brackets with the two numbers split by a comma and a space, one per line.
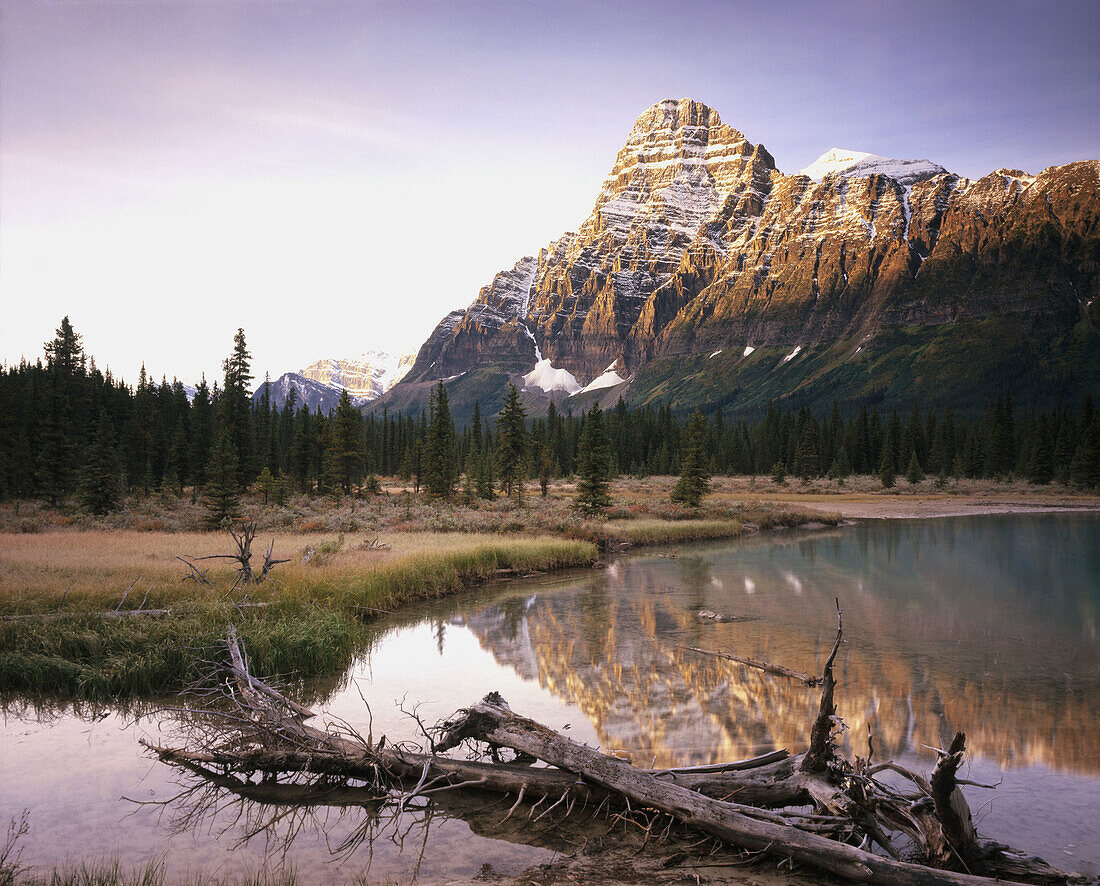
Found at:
[78, 613]
[844, 808]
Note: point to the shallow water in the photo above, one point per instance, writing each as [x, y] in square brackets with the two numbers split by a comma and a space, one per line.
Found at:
[985, 624]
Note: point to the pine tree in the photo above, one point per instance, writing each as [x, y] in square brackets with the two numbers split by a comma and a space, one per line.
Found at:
[891, 441]
[887, 469]
[202, 432]
[236, 406]
[694, 480]
[345, 445]
[512, 444]
[546, 469]
[486, 480]
[221, 495]
[439, 457]
[913, 472]
[841, 468]
[1040, 469]
[806, 462]
[175, 473]
[301, 451]
[593, 466]
[779, 473]
[1084, 469]
[265, 484]
[99, 479]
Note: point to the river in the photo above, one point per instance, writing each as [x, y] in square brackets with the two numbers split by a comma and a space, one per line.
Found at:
[985, 624]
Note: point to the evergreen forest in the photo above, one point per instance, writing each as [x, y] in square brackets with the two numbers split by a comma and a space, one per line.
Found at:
[67, 429]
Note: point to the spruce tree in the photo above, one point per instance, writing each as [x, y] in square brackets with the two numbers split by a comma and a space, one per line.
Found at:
[806, 461]
[694, 480]
[265, 484]
[593, 466]
[221, 495]
[887, 469]
[301, 451]
[99, 479]
[439, 457]
[345, 445]
[512, 444]
[486, 480]
[1040, 469]
[546, 468]
[236, 406]
[1084, 469]
[841, 468]
[913, 472]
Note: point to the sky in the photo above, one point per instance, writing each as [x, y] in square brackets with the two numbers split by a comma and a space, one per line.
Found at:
[334, 177]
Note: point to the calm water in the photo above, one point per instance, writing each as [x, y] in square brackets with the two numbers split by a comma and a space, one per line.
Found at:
[986, 624]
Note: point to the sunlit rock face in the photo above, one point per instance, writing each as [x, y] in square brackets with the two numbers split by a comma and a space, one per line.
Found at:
[366, 377]
[697, 242]
[579, 299]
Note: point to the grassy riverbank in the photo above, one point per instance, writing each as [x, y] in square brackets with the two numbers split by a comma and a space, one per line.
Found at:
[349, 562]
[352, 560]
[313, 618]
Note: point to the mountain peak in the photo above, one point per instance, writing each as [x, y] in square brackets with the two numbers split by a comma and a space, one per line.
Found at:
[859, 164]
[671, 115]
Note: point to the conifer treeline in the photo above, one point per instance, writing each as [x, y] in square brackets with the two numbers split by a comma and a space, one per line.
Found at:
[66, 428]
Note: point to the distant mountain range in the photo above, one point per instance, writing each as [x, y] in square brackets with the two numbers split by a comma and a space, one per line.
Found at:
[706, 277]
[320, 384]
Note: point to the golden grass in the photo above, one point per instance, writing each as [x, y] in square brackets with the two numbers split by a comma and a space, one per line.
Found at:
[314, 622]
[317, 607]
[100, 565]
[654, 532]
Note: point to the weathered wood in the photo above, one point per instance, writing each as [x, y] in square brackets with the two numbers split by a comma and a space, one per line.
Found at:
[951, 807]
[243, 558]
[266, 733]
[822, 752]
[253, 686]
[492, 721]
[777, 670]
[107, 613]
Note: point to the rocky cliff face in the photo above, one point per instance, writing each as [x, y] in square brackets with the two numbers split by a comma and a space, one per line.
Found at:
[697, 243]
[365, 377]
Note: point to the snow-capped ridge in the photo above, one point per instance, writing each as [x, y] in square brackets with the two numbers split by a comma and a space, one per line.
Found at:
[366, 377]
[858, 164]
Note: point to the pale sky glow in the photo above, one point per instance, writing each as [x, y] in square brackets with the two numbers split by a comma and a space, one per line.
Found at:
[336, 176]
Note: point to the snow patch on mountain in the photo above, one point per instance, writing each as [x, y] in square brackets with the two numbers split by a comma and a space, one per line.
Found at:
[748, 350]
[797, 350]
[858, 164]
[608, 379]
[546, 378]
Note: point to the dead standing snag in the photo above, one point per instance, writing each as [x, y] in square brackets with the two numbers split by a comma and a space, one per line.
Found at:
[245, 575]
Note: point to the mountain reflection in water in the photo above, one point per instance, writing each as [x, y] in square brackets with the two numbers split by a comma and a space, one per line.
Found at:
[987, 625]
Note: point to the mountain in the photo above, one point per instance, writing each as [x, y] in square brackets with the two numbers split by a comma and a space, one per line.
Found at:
[366, 377]
[308, 392]
[320, 384]
[705, 276]
[856, 164]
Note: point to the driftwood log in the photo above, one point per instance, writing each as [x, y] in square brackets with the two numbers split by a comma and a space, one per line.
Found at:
[76, 613]
[849, 809]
